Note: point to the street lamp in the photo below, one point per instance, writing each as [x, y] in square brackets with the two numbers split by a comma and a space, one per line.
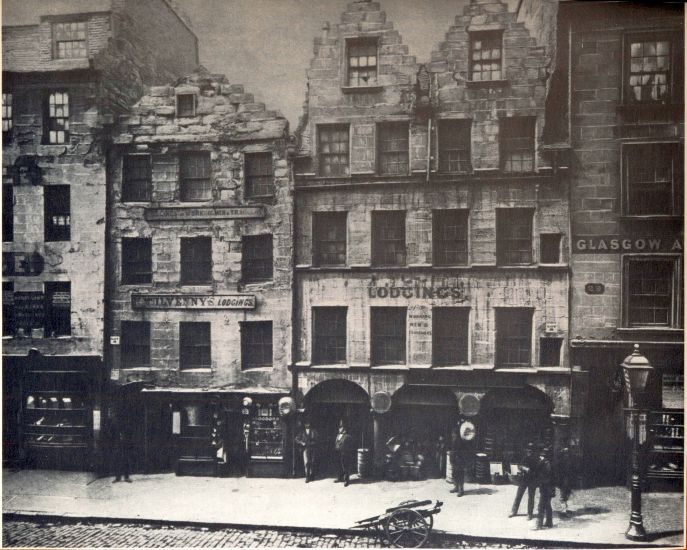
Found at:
[636, 369]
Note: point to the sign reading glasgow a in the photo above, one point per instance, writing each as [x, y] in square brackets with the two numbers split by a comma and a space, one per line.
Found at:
[611, 244]
[192, 301]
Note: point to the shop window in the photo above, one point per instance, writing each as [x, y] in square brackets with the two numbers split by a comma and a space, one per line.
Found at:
[517, 144]
[256, 344]
[194, 346]
[137, 178]
[186, 105]
[486, 55]
[257, 261]
[329, 335]
[259, 175]
[550, 248]
[362, 62]
[550, 352]
[135, 344]
[57, 212]
[8, 327]
[514, 236]
[196, 180]
[652, 292]
[652, 64]
[7, 118]
[388, 338]
[389, 238]
[332, 149]
[454, 146]
[196, 260]
[450, 237]
[69, 40]
[450, 332]
[392, 148]
[7, 213]
[329, 238]
[513, 337]
[56, 118]
[137, 263]
[58, 309]
[652, 179]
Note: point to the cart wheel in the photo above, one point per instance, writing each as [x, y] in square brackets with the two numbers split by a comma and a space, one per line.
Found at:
[406, 528]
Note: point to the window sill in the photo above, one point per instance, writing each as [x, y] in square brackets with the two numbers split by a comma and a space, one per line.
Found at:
[256, 283]
[651, 217]
[487, 83]
[143, 202]
[337, 366]
[199, 370]
[140, 369]
[195, 284]
[362, 89]
[392, 366]
[263, 368]
[525, 370]
[634, 330]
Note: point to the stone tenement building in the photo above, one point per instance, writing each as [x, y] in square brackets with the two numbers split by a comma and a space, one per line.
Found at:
[432, 247]
[67, 70]
[200, 278]
[627, 135]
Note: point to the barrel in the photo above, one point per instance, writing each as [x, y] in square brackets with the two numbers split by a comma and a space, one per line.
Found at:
[449, 466]
[364, 463]
[482, 474]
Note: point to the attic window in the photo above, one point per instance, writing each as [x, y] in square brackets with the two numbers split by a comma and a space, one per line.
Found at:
[362, 62]
[186, 105]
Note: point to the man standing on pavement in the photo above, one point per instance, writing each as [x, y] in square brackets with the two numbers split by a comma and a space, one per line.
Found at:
[344, 449]
[458, 462]
[121, 451]
[527, 482]
[546, 490]
[307, 441]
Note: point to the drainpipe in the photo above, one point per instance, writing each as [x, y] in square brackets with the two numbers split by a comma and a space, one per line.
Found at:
[294, 313]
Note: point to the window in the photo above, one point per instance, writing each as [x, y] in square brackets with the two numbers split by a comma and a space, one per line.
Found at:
[194, 346]
[259, 175]
[329, 335]
[257, 258]
[332, 150]
[8, 327]
[388, 335]
[392, 148]
[652, 178]
[7, 121]
[56, 120]
[7, 213]
[329, 238]
[389, 238]
[485, 56]
[513, 337]
[454, 146]
[550, 248]
[196, 260]
[652, 292]
[196, 183]
[362, 62]
[450, 335]
[450, 237]
[69, 40]
[136, 178]
[137, 264]
[256, 344]
[135, 344]
[57, 213]
[514, 236]
[517, 144]
[550, 352]
[186, 105]
[57, 309]
[652, 61]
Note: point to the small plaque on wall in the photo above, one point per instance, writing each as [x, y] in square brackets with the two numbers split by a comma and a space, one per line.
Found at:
[594, 288]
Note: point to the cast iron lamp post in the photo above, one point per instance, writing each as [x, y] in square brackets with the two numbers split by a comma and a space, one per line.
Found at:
[636, 369]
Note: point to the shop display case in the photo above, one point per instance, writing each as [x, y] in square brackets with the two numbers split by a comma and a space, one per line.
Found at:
[666, 444]
[266, 445]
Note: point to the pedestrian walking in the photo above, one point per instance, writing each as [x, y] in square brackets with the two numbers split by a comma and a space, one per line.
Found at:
[527, 481]
[344, 450]
[565, 476]
[307, 441]
[546, 490]
[458, 462]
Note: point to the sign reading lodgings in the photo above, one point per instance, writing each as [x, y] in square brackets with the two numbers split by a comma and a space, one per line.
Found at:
[192, 301]
[610, 244]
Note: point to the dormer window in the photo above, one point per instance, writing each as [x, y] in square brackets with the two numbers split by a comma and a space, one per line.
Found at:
[486, 56]
[362, 62]
[69, 40]
[186, 105]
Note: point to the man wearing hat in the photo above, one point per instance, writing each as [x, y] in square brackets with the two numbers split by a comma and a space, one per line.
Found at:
[307, 441]
[527, 482]
[344, 449]
[546, 490]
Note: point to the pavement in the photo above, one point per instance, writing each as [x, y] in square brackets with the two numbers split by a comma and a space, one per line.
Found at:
[597, 516]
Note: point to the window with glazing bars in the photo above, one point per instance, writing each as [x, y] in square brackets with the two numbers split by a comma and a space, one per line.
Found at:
[329, 238]
[332, 150]
[392, 148]
[362, 62]
[450, 237]
[388, 338]
[329, 335]
[7, 119]
[257, 261]
[136, 178]
[650, 68]
[454, 146]
[485, 56]
[256, 344]
[259, 172]
[514, 236]
[653, 297]
[186, 105]
[517, 144]
[7, 213]
[58, 307]
[652, 178]
[135, 344]
[70, 39]
[194, 346]
[389, 238]
[137, 263]
[196, 260]
[196, 180]
[56, 119]
[8, 327]
[57, 212]
[513, 337]
[450, 335]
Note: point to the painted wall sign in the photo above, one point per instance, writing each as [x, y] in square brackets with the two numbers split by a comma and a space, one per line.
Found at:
[203, 213]
[19, 264]
[455, 293]
[609, 244]
[594, 288]
[29, 309]
[192, 301]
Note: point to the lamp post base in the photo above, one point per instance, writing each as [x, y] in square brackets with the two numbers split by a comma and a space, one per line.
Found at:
[636, 532]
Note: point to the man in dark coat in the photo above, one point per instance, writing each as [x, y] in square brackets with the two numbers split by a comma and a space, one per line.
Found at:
[546, 490]
[458, 462]
[527, 482]
[344, 450]
[565, 476]
[121, 452]
[307, 441]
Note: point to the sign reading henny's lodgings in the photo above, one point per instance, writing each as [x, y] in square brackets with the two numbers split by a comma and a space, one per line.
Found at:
[192, 301]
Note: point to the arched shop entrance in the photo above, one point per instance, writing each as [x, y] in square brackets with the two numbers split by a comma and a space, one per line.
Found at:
[327, 404]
